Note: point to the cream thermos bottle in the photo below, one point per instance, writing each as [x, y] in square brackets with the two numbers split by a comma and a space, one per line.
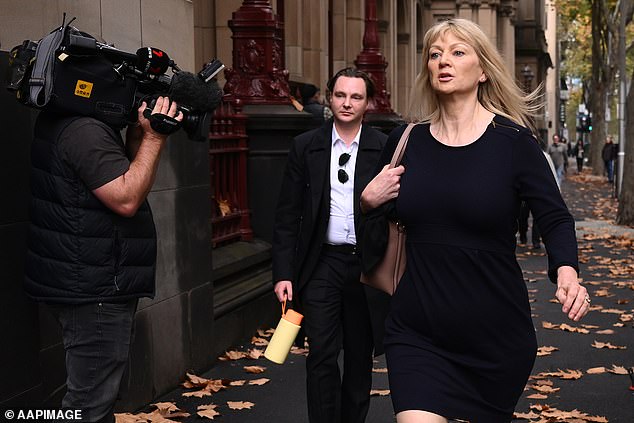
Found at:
[284, 335]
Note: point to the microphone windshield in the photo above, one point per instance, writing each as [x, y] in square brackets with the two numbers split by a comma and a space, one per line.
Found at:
[189, 89]
[152, 60]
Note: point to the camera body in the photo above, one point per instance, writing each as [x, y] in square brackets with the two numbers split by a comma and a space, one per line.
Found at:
[69, 72]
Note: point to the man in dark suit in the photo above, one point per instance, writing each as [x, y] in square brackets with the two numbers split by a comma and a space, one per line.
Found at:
[314, 249]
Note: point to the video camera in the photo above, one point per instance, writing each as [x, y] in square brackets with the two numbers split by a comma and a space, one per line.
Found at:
[70, 72]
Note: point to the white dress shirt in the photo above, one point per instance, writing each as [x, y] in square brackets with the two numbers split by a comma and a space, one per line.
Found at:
[341, 222]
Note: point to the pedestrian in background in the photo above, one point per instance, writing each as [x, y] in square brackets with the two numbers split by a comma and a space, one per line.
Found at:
[314, 250]
[311, 99]
[578, 152]
[608, 154]
[558, 154]
[568, 148]
[460, 342]
[525, 210]
[523, 227]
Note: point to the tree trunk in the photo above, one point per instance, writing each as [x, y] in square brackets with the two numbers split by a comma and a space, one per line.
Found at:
[597, 96]
[625, 214]
[599, 129]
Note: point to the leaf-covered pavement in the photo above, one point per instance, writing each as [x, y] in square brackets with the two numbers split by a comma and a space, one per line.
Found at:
[584, 365]
[580, 374]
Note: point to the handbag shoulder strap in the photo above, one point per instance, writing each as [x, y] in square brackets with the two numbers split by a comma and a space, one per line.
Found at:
[400, 147]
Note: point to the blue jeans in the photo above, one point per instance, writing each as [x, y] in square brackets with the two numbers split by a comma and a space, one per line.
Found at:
[560, 173]
[609, 168]
[97, 342]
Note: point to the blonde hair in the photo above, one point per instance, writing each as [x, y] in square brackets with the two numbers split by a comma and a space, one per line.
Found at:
[499, 94]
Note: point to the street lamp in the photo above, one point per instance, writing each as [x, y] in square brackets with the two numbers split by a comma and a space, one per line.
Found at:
[528, 75]
[564, 96]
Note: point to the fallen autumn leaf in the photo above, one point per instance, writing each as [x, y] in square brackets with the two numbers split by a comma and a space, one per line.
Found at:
[254, 369]
[239, 405]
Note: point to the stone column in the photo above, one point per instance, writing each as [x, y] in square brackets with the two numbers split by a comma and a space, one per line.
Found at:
[354, 26]
[464, 9]
[507, 35]
[486, 18]
[293, 44]
[339, 37]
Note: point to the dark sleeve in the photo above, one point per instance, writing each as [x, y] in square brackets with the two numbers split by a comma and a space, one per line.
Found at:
[372, 233]
[537, 186]
[288, 216]
[95, 151]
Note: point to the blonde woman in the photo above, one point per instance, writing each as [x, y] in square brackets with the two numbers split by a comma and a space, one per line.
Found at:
[460, 341]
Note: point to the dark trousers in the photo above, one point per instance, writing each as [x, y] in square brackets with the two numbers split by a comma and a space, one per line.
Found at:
[523, 225]
[97, 342]
[579, 164]
[336, 315]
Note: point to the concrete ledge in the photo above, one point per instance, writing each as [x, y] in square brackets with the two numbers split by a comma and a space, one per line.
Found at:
[602, 227]
[243, 293]
[241, 274]
[233, 258]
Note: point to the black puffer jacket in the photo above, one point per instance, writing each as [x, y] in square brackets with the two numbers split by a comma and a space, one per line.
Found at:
[79, 251]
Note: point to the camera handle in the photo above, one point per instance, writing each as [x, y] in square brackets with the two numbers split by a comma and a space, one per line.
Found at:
[161, 123]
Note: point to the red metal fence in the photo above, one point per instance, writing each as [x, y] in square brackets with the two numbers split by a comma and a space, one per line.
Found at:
[228, 149]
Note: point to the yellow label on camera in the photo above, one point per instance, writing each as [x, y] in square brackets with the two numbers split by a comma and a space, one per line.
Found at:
[83, 88]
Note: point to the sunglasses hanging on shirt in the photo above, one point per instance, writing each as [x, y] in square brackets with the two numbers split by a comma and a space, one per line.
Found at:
[342, 175]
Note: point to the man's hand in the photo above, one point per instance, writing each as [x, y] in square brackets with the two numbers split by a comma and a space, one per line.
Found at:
[384, 187]
[162, 106]
[284, 291]
[125, 194]
[164, 119]
[573, 296]
[136, 133]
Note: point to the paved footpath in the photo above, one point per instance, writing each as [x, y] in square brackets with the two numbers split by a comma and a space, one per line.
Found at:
[588, 371]
[579, 376]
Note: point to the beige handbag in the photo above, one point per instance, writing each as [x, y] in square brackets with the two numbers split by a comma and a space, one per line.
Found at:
[387, 274]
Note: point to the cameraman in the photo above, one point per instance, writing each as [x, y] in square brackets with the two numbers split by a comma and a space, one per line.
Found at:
[92, 243]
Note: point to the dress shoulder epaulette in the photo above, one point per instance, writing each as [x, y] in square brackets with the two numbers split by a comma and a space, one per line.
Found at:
[507, 127]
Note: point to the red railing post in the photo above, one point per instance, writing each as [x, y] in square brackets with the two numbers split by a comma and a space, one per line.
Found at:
[257, 75]
[228, 149]
[371, 61]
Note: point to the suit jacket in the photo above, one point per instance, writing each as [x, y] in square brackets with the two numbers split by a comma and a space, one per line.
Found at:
[303, 209]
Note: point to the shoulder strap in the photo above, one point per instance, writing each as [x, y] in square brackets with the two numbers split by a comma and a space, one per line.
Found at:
[41, 81]
[400, 148]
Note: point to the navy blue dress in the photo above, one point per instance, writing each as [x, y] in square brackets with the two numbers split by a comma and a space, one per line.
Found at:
[460, 341]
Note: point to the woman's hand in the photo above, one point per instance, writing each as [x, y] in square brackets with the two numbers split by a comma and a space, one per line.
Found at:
[573, 296]
[382, 188]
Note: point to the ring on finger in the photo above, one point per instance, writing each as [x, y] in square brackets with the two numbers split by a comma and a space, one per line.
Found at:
[587, 299]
